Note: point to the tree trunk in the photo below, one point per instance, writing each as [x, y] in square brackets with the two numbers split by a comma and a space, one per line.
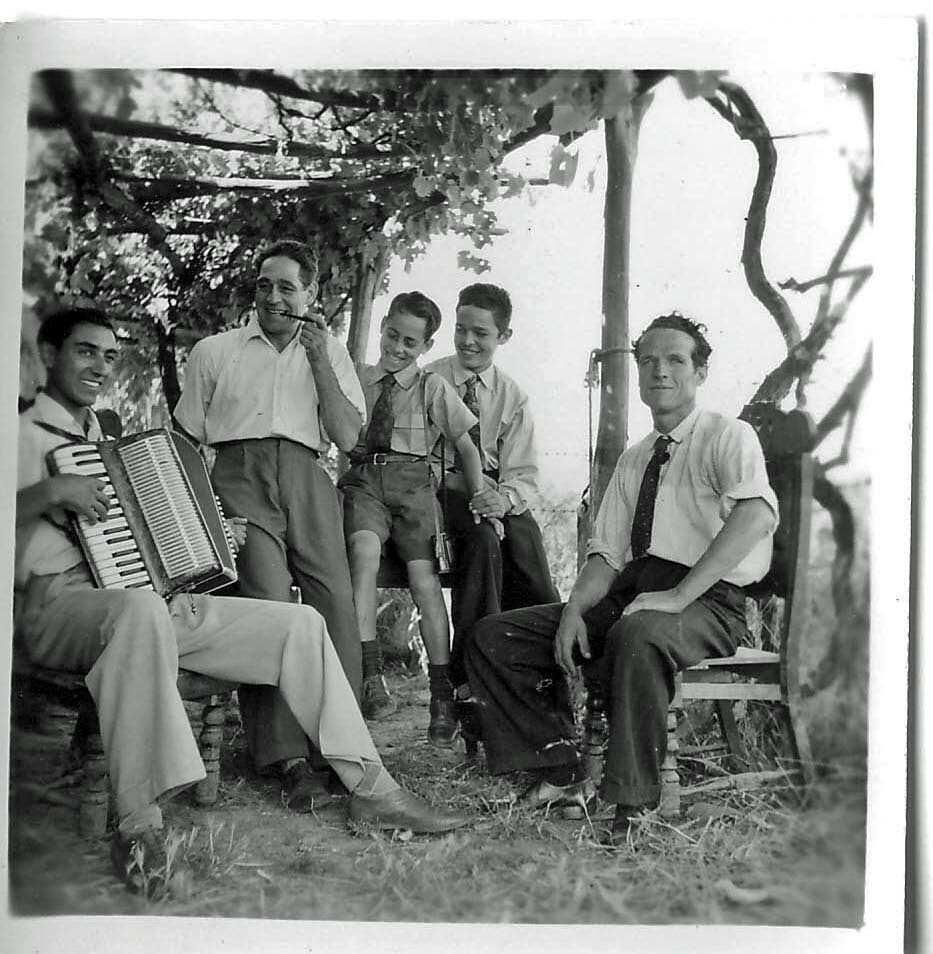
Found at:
[612, 435]
[168, 367]
[369, 277]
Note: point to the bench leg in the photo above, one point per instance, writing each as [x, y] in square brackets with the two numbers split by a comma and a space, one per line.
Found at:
[209, 742]
[730, 732]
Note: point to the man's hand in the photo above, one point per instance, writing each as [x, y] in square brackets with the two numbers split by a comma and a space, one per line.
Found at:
[663, 601]
[237, 527]
[85, 496]
[498, 526]
[488, 502]
[571, 631]
[313, 338]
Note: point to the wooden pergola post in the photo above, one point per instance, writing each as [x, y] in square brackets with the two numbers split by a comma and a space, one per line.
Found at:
[621, 133]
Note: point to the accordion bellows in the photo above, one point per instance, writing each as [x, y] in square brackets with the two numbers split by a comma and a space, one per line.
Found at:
[165, 530]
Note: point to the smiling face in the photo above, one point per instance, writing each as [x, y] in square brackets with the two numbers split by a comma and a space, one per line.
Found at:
[280, 293]
[81, 368]
[476, 337]
[667, 379]
[402, 340]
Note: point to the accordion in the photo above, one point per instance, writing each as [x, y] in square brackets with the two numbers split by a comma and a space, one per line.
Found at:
[165, 530]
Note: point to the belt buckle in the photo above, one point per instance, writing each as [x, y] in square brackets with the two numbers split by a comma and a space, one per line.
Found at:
[380, 460]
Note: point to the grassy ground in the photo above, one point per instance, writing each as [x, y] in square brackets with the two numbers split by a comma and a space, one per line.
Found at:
[739, 858]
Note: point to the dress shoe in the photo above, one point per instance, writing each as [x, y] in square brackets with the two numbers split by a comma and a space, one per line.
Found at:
[542, 794]
[375, 701]
[401, 809]
[304, 790]
[442, 729]
[141, 862]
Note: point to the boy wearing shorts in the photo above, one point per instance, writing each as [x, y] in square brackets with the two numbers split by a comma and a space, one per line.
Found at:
[388, 494]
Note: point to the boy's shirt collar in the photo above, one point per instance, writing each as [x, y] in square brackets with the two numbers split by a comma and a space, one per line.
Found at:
[461, 374]
[404, 378]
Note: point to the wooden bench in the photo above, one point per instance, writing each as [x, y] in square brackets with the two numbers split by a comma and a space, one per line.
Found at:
[69, 690]
[769, 673]
[394, 575]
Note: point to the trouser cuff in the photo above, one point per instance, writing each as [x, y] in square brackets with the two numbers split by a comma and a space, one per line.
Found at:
[634, 795]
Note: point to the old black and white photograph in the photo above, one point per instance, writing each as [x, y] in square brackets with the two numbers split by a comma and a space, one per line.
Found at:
[463, 483]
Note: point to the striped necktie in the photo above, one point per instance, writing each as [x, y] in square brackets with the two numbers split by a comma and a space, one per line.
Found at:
[471, 400]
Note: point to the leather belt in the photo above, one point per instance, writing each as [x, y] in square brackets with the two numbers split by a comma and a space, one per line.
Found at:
[388, 458]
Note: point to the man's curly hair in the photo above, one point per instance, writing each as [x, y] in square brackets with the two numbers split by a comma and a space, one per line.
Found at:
[678, 322]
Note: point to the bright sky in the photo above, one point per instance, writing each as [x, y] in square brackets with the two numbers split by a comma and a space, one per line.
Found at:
[692, 186]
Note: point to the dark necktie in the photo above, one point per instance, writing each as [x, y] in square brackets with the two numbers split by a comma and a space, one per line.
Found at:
[379, 432]
[471, 400]
[647, 493]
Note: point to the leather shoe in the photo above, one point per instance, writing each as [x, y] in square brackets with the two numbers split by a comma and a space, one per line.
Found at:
[141, 862]
[542, 794]
[304, 790]
[442, 729]
[375, 701]
[401, 809]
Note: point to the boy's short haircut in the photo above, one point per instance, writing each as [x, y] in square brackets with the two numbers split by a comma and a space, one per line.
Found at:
[56, 328]
[490, 298]
[678, 322]
[304, 255]
[418, 304]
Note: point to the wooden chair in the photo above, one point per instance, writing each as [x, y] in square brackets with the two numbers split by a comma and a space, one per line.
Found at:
[770, 673]
[69, 690]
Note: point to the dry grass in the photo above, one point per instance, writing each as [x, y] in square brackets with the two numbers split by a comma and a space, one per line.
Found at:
[776, 856]
[746, 858]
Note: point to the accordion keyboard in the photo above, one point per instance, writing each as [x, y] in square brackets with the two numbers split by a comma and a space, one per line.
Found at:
[110, 544]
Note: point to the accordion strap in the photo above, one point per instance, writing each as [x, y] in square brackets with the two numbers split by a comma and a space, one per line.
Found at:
[439, 528]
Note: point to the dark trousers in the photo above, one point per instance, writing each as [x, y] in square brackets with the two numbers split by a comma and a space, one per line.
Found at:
[295, 534]
[492, 576]
[524, 703]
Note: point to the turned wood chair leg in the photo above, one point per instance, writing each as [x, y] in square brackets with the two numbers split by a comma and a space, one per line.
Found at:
[730, 733]
[209, 742]
[670, 779]
[94, 808]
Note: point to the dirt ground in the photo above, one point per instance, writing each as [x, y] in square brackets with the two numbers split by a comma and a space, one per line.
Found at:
[745, 858]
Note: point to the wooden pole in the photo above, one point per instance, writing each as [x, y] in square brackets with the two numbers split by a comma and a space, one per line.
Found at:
[621, 133]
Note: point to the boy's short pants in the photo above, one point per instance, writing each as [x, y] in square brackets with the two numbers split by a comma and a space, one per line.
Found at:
[391, 500]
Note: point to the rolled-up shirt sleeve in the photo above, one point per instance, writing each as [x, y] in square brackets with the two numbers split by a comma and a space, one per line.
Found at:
[445, 409]
[739, 471]
[200, 380]
[346, 375]
[613, 525]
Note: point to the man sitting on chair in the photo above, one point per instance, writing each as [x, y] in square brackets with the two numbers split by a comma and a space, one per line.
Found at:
[130, 642]
[685, 523]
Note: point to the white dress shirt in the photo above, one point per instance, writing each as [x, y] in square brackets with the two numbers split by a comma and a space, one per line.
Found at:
[505, 426]
[239, 386]
[714, 462]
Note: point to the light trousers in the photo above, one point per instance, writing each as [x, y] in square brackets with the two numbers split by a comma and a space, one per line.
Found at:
[131, 644]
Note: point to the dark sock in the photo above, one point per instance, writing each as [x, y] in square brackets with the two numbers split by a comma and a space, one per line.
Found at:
[439, 680]
[562, 774]
[372, 659]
